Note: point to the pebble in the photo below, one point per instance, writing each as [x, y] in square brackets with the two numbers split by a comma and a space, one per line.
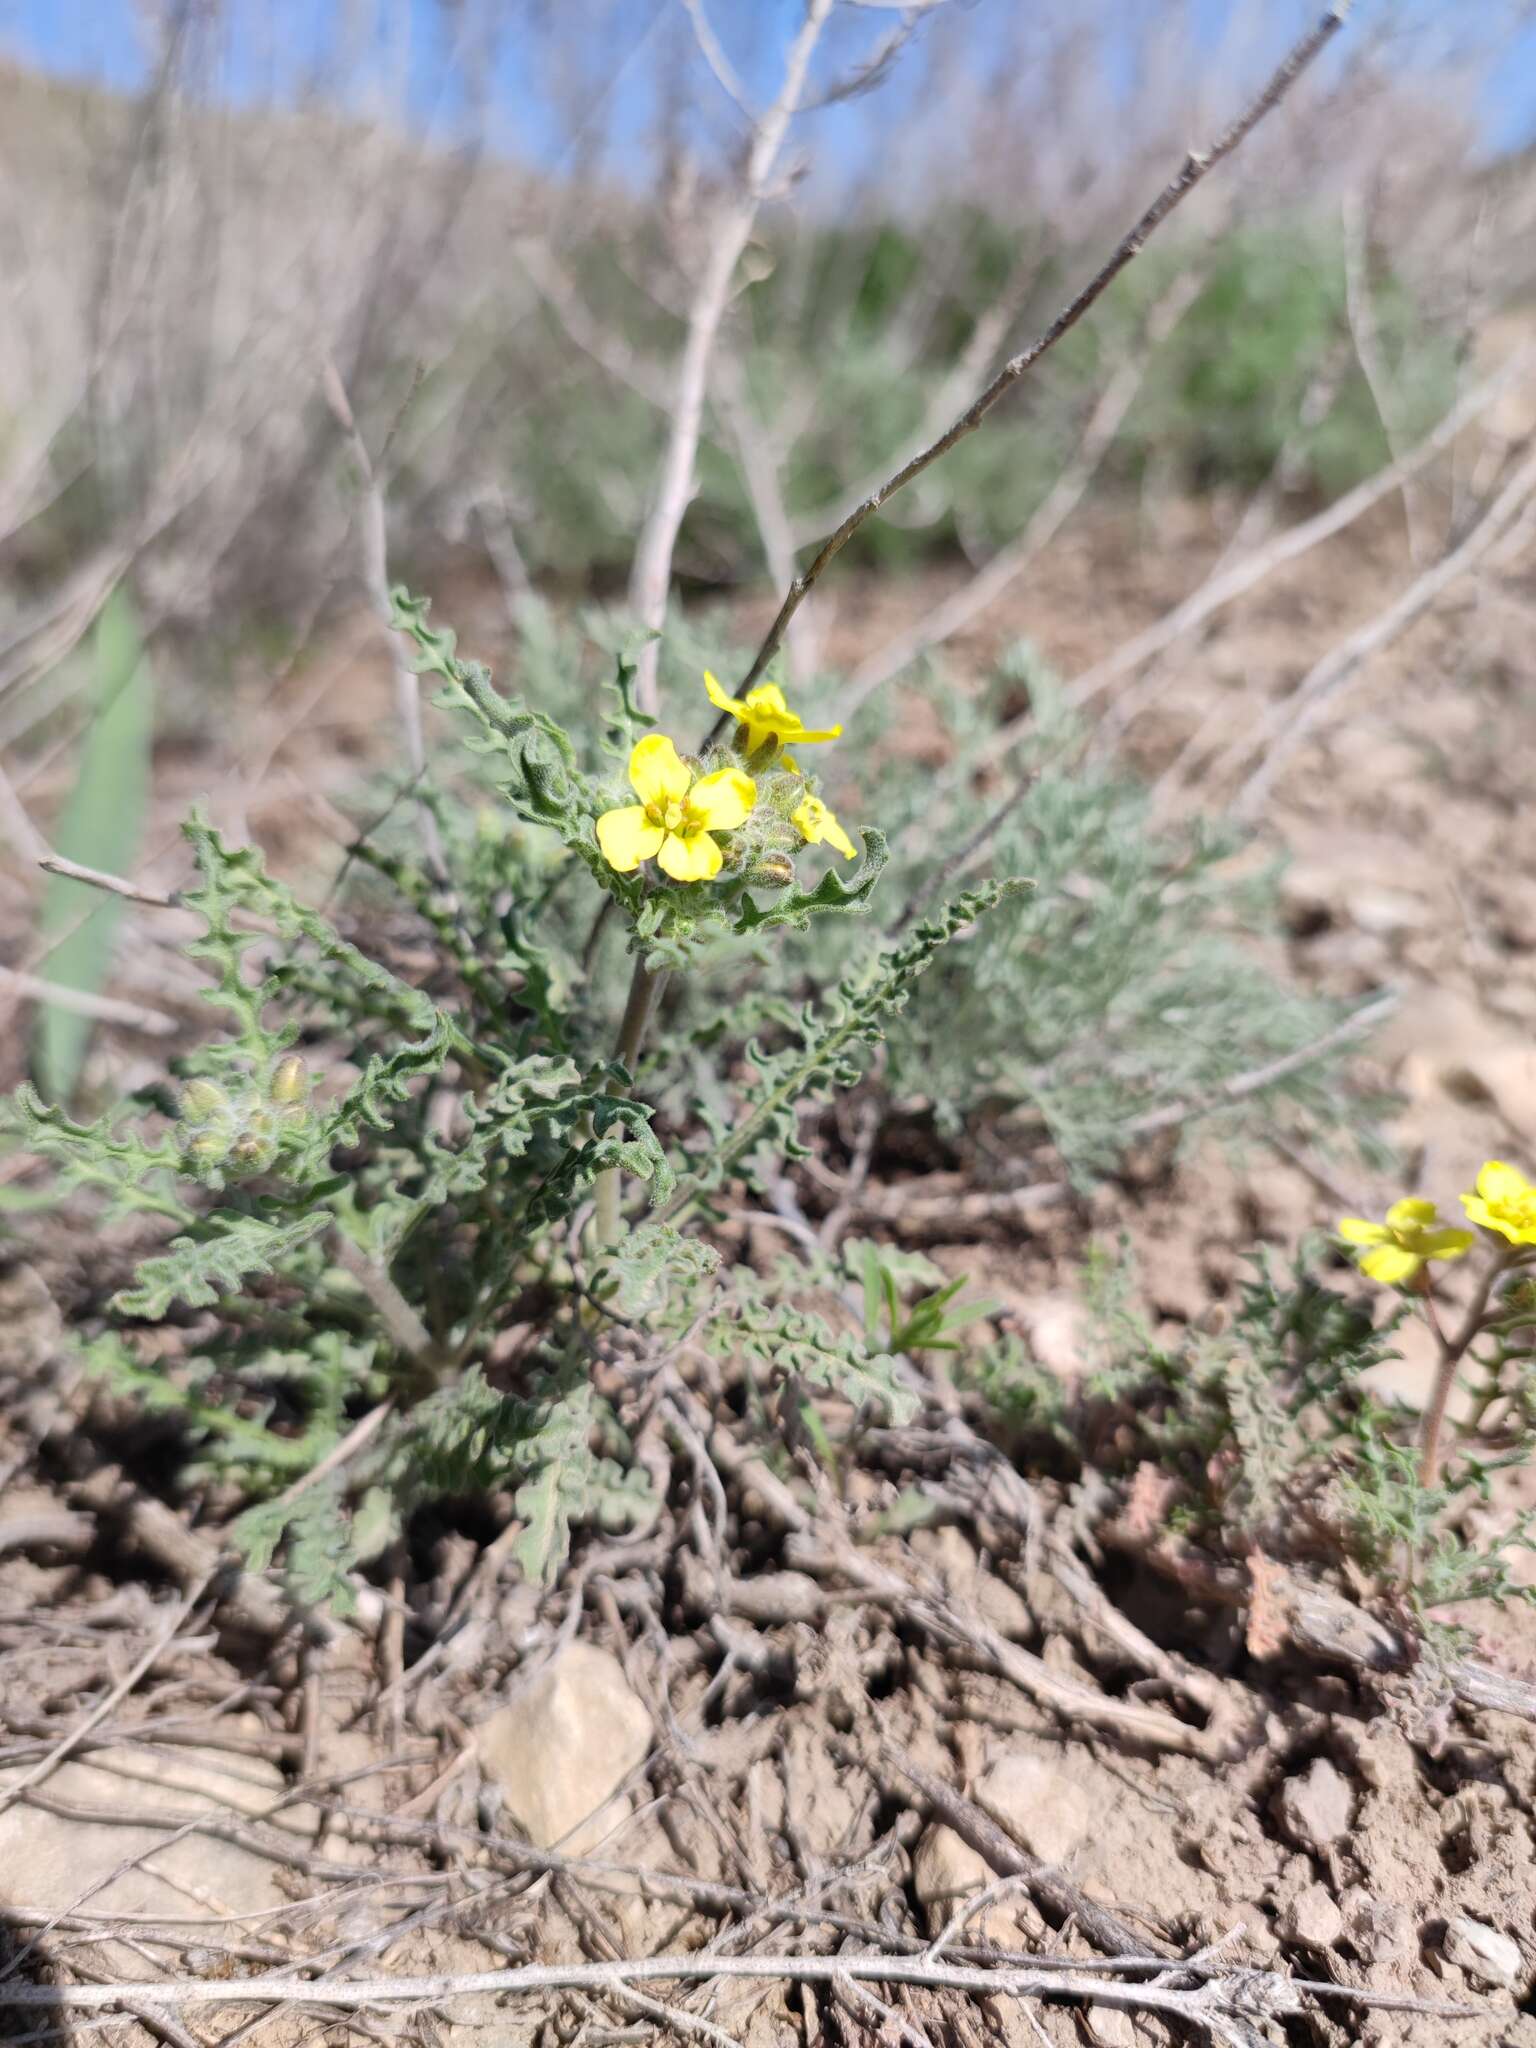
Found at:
[1316, 1806]
[1040, 1805]
[1312, 1918]
[1482, 1951]
[563, 1745]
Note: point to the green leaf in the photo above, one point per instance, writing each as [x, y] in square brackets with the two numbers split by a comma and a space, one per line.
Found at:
[831, 895]
[197, 1270]
[101, 828]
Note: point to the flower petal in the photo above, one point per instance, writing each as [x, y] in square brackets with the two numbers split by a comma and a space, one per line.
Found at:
[816, 823]
[628, 837]
[1391, 1265]
[658, 773]
[720, 700]
[723, 799]
[694, 859]
[1497, 1182]
[768, 697]
[836, 837]
[1478, 1211]
[1412, 1209]
[1445, 1243]
[1356, 1230]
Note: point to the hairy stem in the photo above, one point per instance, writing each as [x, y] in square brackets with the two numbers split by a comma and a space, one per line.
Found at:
[1452, 1348]
[637, 1010]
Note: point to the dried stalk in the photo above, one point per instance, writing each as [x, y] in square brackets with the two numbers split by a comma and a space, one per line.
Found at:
[1288, 723]
[1214, 2005]
[1045, 522]
[651, 575]
[1196, 166]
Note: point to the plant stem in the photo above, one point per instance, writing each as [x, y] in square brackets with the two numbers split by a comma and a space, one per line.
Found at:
[1452, 1350]
[637, 1010]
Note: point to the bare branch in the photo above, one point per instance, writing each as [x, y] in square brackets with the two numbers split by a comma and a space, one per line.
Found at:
[84, 1004]
[1362, 327]
[375, 567]
[115, 885]
[1222, 1993]
[713, 53]
[1288, 723]
[1197, 164]
[1048, 518]
[651, 575]
[1220, 591]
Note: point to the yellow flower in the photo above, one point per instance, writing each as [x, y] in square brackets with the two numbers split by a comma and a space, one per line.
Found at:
[766, 716]
[816, 822]
[675, 815]
[1505, 1201]
[1408, 1238]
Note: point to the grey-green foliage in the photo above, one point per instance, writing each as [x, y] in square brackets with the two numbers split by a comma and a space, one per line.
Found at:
[1269, 1434]
[1130, 979]
[363, 1183]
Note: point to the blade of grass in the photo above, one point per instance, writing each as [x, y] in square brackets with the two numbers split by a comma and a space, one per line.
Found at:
[100, 827]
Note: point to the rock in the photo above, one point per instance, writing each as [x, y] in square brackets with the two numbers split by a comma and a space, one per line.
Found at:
[960, 1568]
[1057, 1326]
[1482, 1951]
[48, 1861]
[1110, 2028]
[945, 1870]
[1044, 1809]
[1312, 1918]
[1316, 1807]
[562, 1746]
[1381, 1931]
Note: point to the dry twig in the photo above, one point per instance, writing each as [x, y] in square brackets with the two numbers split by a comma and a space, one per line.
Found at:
[1196, 166]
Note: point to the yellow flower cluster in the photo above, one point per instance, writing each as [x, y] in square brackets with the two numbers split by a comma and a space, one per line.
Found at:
[680, 811]
[1411, 1234]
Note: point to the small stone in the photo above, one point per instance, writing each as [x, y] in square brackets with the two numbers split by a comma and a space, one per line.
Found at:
[1312, 1918]
[1482, 1951]
[1381, 1931]
[1042, 1807]
[945, 1869]
[1057, 1328]
[1316, 1807]
[563, 1745]
[1111, 2029]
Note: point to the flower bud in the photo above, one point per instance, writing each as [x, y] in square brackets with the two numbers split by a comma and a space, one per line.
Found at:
[772, 871]
[290, 1081]
[248, 1148]
[202, 1099]
[207, 1148]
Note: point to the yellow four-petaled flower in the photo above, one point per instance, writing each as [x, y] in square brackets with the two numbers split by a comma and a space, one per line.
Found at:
[1505, 1201]
[1405, 1242]
[764, 715]
[676, 816]
[816, 823]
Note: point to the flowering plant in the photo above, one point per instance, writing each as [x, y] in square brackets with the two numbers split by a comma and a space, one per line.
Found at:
[1497, 1328]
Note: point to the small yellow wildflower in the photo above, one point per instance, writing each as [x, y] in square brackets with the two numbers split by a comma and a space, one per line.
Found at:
[765, 716]
[816, 823]
[676, 814]
[1505, 1201]
[1405, 1242]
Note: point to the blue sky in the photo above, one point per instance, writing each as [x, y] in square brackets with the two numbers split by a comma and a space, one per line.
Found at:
[278, 43]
